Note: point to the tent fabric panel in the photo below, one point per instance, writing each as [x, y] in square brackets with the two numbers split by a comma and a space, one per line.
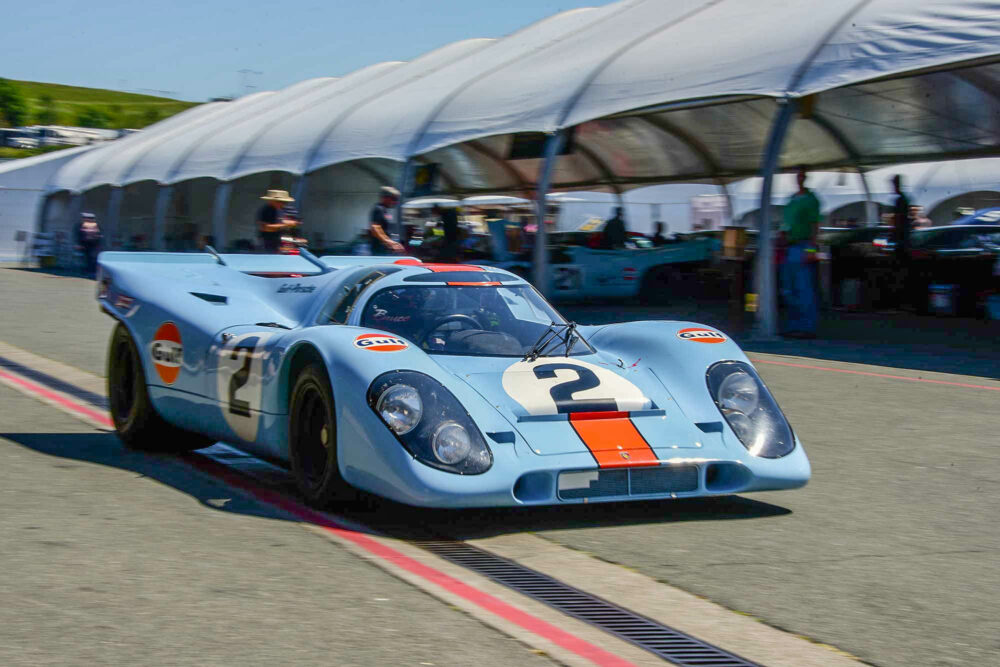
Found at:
[888, 37]
[634, 147]
[294, 141]
[381, 126]
[937, 113]
[214, 151]
[73, 175]
[267, 145]
[471, 170]
[162, 162]
[150, 159]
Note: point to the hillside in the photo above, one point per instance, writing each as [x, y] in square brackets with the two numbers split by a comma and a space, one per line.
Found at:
[98, 107]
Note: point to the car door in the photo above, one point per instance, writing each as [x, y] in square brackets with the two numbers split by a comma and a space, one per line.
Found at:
[242, 363]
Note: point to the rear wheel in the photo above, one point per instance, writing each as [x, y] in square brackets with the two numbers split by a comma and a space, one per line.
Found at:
[312, 439]
[136, 421]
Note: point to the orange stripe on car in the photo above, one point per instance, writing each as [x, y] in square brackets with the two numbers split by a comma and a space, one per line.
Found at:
[469, 284]
[613, 439]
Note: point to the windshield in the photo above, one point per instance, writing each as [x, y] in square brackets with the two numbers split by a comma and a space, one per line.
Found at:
[475, 321]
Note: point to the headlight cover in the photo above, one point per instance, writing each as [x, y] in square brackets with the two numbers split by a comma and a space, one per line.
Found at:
[400, 408]
[749, 409]
[443, 435]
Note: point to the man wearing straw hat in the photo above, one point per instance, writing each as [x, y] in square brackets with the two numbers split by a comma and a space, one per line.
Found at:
[271, 221]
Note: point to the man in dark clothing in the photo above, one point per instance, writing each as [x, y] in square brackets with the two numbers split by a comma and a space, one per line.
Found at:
[901, 227]
[658, 238]
[613, 235]
[271, 221]
[381, 220]
[88, 240]
[449, 225]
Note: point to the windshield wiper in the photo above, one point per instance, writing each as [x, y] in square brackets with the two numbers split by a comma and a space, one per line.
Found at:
[562, 333]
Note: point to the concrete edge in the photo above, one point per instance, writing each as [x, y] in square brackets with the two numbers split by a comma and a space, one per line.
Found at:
[698, 617]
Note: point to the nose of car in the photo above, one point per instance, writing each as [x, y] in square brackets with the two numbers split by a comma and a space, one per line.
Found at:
[548, 401]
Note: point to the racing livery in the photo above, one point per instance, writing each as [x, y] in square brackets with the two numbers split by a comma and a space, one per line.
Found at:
[579, 272]
[432, 385]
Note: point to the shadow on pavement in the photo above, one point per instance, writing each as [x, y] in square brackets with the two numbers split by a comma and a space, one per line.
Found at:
[410, 522]
[106, 449]
[385, 516]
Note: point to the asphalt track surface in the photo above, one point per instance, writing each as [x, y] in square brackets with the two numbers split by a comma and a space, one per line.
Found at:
[891, 553]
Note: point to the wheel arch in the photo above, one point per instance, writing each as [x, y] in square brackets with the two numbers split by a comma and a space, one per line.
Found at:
[301, 355]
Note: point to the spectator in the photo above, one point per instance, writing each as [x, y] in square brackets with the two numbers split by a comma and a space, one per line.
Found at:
[449, 226]
[613, 235]
[88, 240]
[901, 227]
[381, 219]
[659, 237]
[919, 219]
[799, 227]
[271, 221]
[497, 223]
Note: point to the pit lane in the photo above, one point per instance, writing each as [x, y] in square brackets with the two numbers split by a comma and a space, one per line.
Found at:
[889, 553]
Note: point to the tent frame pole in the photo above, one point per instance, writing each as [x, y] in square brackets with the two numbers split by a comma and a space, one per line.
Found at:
[553, 146]
[163, 197]
[764, 278]
[871, 208]
[220, 211]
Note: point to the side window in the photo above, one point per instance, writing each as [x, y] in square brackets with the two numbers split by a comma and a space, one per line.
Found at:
[342, 304]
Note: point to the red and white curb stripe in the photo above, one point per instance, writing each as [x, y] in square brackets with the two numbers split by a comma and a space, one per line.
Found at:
[513, 618]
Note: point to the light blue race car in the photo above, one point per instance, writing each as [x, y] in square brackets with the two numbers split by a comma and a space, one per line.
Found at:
[431, 385]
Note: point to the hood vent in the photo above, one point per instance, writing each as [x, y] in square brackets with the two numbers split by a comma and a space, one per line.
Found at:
[214, 299]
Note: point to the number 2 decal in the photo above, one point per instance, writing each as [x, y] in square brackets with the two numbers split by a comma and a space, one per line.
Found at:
[562, 393]
[239, 387]
[239, 379]
[545, 387]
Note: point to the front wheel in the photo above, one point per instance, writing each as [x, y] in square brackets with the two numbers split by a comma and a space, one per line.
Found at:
[136, 421]
[312, 439]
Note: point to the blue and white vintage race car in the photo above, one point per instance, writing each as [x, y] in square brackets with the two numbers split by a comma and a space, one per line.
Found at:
[577, 272]
[432, 385]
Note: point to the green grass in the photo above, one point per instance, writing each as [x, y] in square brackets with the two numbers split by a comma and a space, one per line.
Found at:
[14, 153]
[120, 109]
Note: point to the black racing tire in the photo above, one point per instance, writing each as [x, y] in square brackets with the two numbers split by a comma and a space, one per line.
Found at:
[312, 439]
[136, 421]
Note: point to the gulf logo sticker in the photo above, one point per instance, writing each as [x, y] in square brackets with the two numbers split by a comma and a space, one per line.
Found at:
[167, 352]
[701, 335]
[380, 343]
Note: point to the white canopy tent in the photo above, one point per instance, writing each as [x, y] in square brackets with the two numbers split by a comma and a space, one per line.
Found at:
[654, 92]
[22, 191]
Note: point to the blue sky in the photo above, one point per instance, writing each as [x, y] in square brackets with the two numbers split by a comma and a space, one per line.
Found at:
[195, 49]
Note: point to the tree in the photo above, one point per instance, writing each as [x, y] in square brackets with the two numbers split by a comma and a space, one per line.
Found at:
[46, 113]
[92, 117]
[12, 106]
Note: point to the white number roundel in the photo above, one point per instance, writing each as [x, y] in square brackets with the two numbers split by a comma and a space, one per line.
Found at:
[238, 382]
[554, 385]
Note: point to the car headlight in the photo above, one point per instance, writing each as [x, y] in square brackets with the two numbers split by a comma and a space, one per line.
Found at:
[400, 408]
[429, 422]
[749, 409]
[451, 443]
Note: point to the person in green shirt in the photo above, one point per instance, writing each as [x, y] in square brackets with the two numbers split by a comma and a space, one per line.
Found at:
[799, 227]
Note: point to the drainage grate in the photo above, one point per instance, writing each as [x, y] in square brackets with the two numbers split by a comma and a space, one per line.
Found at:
[660, 640]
